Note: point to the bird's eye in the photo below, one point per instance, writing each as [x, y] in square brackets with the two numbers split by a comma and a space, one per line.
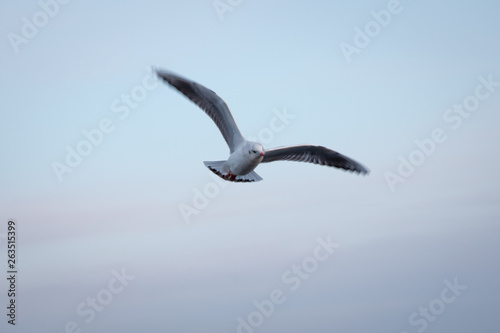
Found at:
[249, 151]
[254, 151]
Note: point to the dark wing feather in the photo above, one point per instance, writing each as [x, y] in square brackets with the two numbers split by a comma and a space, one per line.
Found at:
[313, 154]
[209, 102]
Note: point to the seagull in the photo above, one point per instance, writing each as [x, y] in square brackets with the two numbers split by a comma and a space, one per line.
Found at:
[246, 155]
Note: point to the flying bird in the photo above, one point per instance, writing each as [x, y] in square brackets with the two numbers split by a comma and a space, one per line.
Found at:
[246, 155]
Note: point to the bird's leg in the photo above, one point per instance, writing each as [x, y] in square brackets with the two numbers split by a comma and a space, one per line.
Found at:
[230, 176]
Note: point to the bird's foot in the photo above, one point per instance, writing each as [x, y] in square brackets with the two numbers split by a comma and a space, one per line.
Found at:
[230, 176]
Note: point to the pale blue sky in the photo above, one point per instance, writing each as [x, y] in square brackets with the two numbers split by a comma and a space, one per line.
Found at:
[120, 207]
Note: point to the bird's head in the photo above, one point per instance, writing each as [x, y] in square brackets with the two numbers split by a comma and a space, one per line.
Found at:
[256, 150]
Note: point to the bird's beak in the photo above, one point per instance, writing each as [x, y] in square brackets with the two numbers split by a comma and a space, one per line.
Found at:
[261, 154]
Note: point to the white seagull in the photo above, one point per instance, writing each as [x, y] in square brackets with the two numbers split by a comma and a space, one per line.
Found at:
[246, 155]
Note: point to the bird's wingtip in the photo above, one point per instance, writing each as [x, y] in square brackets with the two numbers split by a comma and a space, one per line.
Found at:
[155, 69]
[364, 172]
[165, 75]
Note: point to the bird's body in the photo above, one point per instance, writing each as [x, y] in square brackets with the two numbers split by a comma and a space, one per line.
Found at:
[240, 164]
[246, 155]
[245, 158]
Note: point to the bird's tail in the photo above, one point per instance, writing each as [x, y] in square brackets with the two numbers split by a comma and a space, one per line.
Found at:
[220, 169]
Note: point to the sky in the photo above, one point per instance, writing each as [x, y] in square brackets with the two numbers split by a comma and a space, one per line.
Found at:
[120, 227]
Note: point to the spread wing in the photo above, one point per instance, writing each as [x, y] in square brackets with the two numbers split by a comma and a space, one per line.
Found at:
[313, 154]
[209, 102]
